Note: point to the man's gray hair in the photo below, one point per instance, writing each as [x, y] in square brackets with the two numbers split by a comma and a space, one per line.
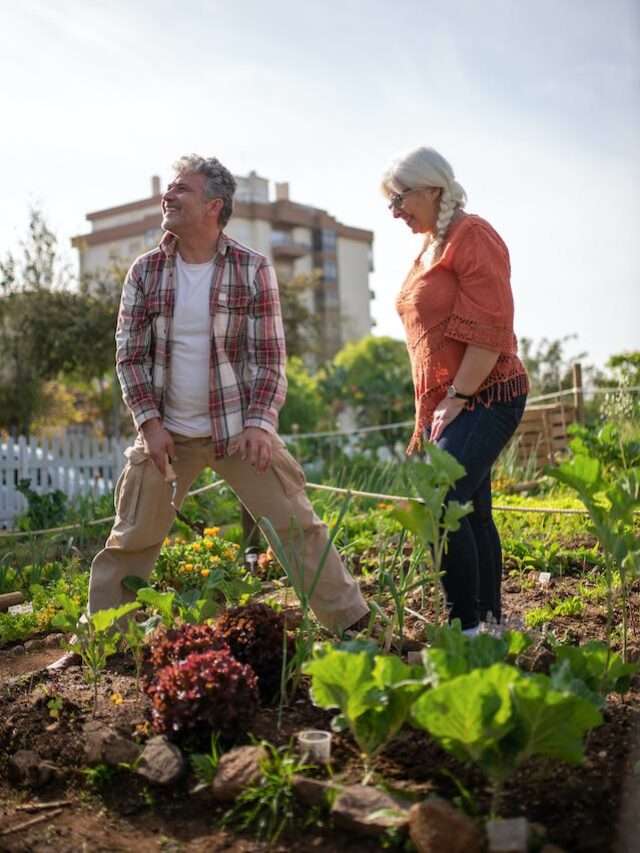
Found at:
[219, 182]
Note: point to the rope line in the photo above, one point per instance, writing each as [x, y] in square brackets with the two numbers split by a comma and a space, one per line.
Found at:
[543, 510]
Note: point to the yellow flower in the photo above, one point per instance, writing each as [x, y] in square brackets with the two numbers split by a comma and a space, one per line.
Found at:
[188, 567]
[208, 543]
[214, 560]
[229, 554]
[235, 547]
[197, 547]
[211, 531]
[117, 698]
[205, 573]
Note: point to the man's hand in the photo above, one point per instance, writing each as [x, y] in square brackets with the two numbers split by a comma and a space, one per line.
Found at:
[159, 443]
[255, 445]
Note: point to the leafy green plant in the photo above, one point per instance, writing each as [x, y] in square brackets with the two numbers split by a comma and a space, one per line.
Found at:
[294, 569]
[134, 635]
[205, 764]
[269, 805]
[373, 692]
[95, 636]
[498, 718]
[611, 505]
[44, 600]
[594, 666]
[451, 653]
[44, 511]
[432, 519]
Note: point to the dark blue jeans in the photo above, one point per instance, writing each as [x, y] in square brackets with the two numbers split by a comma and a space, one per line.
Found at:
[473, 562]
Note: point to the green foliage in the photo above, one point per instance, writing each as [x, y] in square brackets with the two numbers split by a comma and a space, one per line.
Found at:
[305, 408]
[548, 365]
[95, 636]
[192, 565]
[45, 511]
[46, 327]
[205, 764]
[269, 805]
[432, 520]
[45, 603]
[499, 718]
[374, 693]
[452, 653]
[622, 404]
[373, 375]
[596, 667]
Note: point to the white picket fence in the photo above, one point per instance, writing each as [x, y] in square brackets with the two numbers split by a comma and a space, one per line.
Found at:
[75, 465]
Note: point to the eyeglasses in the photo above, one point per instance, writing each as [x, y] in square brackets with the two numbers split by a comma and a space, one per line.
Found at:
[397, 200]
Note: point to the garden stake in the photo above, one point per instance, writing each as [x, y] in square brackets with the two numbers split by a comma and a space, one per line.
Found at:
[171, 477]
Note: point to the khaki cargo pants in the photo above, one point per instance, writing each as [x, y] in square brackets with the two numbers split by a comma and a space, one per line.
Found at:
[144, 517]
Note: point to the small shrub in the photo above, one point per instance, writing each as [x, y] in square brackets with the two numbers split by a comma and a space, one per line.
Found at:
[255, 634]
[205, 692]
[187, 565]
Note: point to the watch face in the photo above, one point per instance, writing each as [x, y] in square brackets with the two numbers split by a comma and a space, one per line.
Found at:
[451, 391]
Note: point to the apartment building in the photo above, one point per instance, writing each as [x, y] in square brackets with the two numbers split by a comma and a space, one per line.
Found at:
[297, 238]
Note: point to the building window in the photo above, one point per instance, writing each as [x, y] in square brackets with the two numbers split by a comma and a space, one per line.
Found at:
[324, 240]
[330, 271]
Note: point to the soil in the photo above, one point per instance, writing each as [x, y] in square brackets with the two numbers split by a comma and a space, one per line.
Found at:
[594, 807]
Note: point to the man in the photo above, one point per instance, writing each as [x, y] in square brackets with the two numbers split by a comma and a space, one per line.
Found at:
[200, 356]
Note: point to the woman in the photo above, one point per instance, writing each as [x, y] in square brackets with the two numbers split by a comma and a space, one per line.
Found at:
[470, 386]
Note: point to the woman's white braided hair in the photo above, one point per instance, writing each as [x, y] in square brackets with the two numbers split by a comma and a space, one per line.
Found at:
[426, 167]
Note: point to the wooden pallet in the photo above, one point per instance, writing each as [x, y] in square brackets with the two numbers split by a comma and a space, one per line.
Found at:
[543, 430]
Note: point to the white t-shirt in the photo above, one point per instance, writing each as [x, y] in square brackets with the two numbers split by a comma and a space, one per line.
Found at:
[186, 403]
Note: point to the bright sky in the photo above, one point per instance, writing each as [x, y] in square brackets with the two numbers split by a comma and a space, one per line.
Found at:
[536, 103]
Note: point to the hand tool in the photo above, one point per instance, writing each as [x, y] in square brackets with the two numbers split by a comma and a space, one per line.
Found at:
[170, 476]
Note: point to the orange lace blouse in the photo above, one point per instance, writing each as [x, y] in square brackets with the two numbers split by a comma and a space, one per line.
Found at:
[464, 298]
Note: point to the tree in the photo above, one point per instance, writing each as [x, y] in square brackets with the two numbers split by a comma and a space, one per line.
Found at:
[305, 408]
[548, 366]
[47, 328]
[373, 377]
[303, 329]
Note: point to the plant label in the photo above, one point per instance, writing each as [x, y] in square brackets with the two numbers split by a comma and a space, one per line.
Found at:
[544, 577]
[17, 609]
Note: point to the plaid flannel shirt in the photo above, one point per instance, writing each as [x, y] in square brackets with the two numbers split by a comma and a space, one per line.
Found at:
[247, 382]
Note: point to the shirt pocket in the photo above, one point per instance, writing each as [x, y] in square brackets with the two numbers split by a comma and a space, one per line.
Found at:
[234, 300]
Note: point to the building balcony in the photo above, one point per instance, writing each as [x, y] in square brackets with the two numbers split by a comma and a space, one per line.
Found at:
[283, 246]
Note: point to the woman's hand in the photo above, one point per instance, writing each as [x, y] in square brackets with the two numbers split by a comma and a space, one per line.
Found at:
[446, 411]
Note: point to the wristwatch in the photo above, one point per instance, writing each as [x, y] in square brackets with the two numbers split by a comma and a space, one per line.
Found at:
[453, 392]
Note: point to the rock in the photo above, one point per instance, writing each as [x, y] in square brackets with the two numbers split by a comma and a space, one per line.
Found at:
[102, 743]
[508, 836]
[237, 768]
[53, 639]
[435, 826]
[18, 650]
[311, 792]
[355, 805]
[293, 617]
[161, 762]
[28, 768]
[34, 645]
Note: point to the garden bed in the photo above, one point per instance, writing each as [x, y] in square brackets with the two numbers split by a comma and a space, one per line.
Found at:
[575, 807]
